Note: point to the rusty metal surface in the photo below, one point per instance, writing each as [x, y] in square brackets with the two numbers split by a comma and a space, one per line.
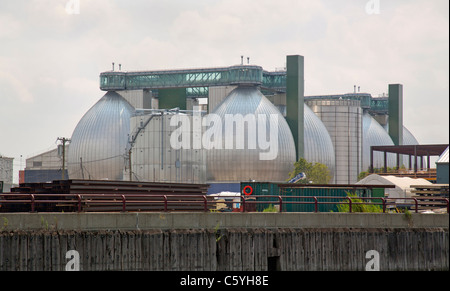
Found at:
[102, 195]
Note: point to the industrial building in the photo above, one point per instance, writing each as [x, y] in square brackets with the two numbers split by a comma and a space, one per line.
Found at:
[45, 167]
[127, 134]
[6, 173]
[442, 168]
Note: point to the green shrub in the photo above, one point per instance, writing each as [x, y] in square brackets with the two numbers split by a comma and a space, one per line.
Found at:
[365, 207]
[270, 208]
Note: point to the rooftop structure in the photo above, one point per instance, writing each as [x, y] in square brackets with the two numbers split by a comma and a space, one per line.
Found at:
[443, 159]
[442, 170]
[198, 81]
[414, 152]
[6, 173]
[193, 78]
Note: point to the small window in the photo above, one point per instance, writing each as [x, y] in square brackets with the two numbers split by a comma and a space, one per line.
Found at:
[37, 164]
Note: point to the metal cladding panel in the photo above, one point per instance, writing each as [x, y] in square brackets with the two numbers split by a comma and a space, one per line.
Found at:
[408, 139]
[312, 192]
[137, 98]
[342, 118]
[42, 176]
[155, 159]
[318, 145]
[217, 94]
[99, 141]
[442, 173]
[235, 165]
[375, 135]
[443, 158]
[6, 170]
[262, 189]
[288, 193]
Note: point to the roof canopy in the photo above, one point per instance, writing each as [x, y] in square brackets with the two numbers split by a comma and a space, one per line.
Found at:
[413, 150]
[443, 158]
[401, 185]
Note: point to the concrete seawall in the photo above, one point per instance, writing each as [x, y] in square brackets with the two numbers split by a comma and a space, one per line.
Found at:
[223, 242]
[144, 221]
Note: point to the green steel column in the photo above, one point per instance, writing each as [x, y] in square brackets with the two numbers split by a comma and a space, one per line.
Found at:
[171, 98]
[396, 113]
[295, 99]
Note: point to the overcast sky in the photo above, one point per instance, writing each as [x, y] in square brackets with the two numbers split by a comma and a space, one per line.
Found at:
[51, 54]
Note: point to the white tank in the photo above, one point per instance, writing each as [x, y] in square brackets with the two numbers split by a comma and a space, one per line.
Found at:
[342, 118]
[99, 141]
[375, 135]
[156, 155]
[318, 146]
[408, 139]
[249, 163]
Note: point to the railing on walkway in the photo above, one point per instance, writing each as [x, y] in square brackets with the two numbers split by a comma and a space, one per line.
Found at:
[107, 202]
[205, 203]
[383, 202]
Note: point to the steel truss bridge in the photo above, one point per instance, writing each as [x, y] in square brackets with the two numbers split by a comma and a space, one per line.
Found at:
[198, 81]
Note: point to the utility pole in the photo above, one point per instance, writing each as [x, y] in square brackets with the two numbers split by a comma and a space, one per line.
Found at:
[81, 166]
[129, 165]
[63, 140]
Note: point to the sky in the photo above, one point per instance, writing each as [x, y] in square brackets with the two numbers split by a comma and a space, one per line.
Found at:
[52, 52]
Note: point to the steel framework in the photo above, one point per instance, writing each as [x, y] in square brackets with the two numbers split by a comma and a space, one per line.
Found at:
[189, 78]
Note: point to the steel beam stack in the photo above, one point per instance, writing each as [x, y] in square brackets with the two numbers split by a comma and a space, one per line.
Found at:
[104, 195]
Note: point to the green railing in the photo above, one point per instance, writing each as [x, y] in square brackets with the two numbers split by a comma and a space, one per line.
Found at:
[235, 75]
[197, 82]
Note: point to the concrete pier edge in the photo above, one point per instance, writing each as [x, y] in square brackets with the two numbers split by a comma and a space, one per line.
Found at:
[179, 220]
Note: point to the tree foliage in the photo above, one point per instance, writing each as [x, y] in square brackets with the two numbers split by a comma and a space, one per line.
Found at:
[316, 173]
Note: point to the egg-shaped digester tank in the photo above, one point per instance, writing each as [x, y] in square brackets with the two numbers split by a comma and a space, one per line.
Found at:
[375, 135]
[408, 139]
[268, 149]
[99, 141]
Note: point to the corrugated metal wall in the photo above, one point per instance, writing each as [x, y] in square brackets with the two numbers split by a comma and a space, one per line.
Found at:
[99, 141]
[42, 176]
[342, 118]
[375, 135]
[154, 159]
[275, 189]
